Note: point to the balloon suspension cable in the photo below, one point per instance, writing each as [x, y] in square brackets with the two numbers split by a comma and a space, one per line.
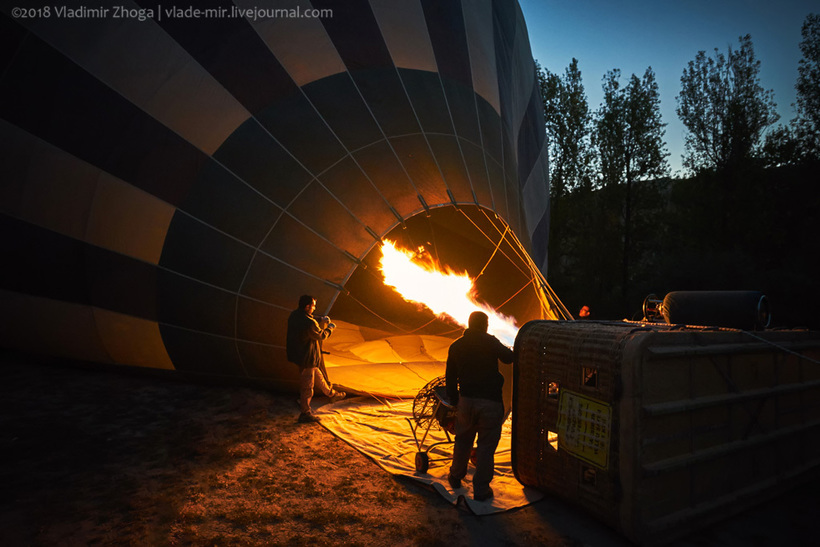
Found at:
[359, 302]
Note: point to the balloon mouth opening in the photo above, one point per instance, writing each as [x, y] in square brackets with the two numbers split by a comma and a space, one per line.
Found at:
[381, 330]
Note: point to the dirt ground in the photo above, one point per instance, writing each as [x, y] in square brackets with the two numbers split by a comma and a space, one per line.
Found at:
[94, 457]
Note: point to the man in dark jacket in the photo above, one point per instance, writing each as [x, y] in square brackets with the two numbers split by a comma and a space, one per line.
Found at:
[474, 384]
[304, 348]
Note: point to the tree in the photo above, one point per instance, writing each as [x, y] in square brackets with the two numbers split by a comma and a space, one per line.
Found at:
[799, 141]
[629, 135]
[724, 108]
[629, 130]
[782, 146]
[807, 124]
[568, 120]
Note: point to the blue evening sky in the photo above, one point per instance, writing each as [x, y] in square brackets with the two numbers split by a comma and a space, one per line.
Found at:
[634, 34]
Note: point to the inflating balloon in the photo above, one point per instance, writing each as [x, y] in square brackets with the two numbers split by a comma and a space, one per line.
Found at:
[172, 184]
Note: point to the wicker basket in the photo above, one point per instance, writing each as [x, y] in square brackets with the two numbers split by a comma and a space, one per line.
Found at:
[658, 430]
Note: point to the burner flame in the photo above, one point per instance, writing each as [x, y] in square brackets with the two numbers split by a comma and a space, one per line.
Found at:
[417, 279]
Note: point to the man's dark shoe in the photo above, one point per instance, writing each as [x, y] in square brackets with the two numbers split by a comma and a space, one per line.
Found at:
[455, 484]
[308, 419]
[337, 396]
[484, 496]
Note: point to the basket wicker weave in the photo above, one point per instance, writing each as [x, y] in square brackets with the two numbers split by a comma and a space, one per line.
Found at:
[663, 429]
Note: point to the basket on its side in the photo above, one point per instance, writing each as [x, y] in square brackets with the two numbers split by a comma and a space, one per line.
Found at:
[658, 430]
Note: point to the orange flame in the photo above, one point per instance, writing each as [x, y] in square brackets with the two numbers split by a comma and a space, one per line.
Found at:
[445, 293]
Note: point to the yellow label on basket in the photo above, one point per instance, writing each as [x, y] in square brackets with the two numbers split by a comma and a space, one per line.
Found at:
[584, 426]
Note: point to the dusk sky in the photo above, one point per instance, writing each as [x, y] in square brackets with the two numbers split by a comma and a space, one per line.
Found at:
[634, 34]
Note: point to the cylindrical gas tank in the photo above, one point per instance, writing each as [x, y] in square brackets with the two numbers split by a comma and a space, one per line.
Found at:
[747, 310]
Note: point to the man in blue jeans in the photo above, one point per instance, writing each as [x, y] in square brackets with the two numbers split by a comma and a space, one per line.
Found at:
[474, 387]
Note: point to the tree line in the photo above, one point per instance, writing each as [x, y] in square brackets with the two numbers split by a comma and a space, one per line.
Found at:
[746, 215]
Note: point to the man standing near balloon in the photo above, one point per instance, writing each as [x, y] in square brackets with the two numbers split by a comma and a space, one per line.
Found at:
[304, 349]
[474, 386]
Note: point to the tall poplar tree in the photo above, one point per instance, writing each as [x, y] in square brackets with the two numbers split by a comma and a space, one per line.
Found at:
[568, 125]
[629, 137]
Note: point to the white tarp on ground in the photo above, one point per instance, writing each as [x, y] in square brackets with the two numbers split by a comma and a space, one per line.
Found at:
[387, 372]
[380, 430]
